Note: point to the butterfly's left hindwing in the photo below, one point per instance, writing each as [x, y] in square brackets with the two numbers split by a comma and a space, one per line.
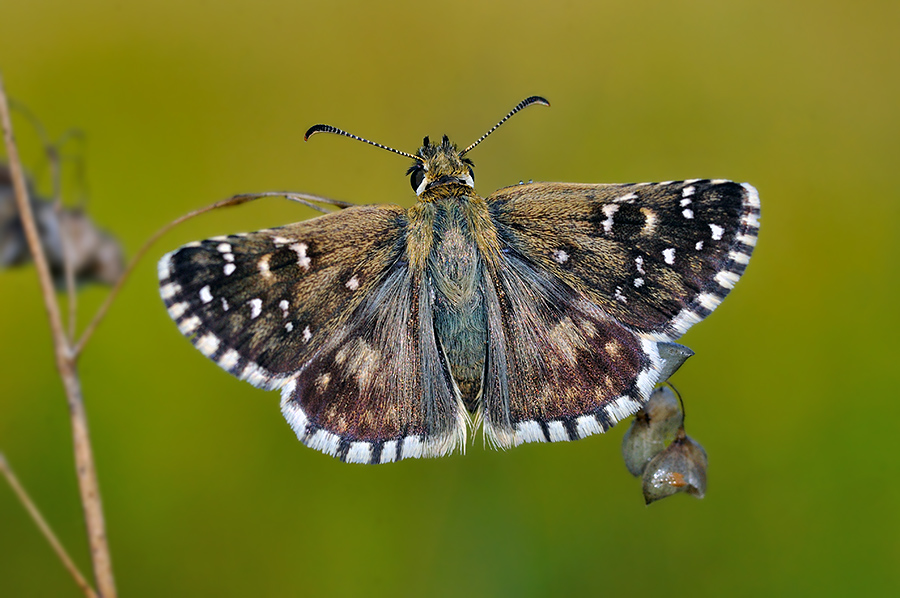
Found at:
[329, 311]
[558, 368]
[378, 390]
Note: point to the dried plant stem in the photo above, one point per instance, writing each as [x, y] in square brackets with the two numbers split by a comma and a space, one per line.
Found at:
[65, 363]
[67, 354]
[45, 528]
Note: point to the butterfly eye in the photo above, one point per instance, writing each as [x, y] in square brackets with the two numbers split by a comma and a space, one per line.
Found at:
[416, 177]
[472, 174]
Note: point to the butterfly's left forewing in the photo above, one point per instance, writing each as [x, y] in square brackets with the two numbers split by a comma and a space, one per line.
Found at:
[259, 304]
[331, 312]
[558, 368]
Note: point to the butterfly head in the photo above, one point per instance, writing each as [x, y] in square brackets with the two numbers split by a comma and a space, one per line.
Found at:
[438, 165]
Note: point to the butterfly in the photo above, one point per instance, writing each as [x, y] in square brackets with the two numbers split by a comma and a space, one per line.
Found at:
[543, 312]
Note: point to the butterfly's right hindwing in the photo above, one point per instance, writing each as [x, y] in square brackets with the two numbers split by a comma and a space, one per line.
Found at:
[591, 285]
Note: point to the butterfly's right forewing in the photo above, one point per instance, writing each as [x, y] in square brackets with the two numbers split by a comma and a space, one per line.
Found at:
[657, 257]
[588, 281]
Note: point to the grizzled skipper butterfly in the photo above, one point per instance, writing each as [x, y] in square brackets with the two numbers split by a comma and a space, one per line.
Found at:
[544, 312]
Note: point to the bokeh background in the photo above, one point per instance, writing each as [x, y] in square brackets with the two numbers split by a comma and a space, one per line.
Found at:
[206, 490]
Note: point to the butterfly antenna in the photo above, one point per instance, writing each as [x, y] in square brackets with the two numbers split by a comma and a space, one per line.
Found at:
[329, 129]
[520, 106]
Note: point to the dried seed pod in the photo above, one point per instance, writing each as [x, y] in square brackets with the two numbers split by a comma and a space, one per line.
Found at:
[95, 256]
[652, 429]
[681, 467]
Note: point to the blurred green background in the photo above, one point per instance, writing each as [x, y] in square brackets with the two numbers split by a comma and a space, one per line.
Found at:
[205, 488]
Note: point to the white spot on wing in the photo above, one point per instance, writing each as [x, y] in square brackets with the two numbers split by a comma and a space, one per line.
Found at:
[208, 344]
[739, 257]
[229, 268]
[751, 220]
[699, 245]
[189, 325]
[688, 213]
[684, 320]
[302, 259]
[292, 412]
[639, 262]
[621, 408]
[709, 300]
[608, 211]
[529, 431]
[669, 255]
[412, 447]
[353, 283]
[727, 279]
[224, 304]
[647, 378]
[263, 265]
[560, 256]
[289, 326]
[649, 221]
[359, 452]
[752, 194]
[170, 290]
[283, 304]
[717, 231]
[255, 308]
[557, 431]
[587, 425]
[687, 192]
[638, 283]
[307, 334]
[255, 375]
[629, 198]
[224, 248]
[229, 359]
[177, 310]
[205, 295]
[164, 266]
[389, 452]
[620, 296]
[325, 441]
[747, 240]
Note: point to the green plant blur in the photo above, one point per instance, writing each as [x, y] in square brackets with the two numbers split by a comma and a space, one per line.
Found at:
[206, 490]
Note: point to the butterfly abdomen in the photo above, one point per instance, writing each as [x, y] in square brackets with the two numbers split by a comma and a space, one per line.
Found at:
[456, 279]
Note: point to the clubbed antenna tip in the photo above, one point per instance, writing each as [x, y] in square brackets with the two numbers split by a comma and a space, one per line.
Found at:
[329, 129]
[520, 106]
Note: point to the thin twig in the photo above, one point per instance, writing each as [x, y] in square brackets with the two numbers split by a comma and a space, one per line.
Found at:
[65, 240]
[39, 520]
[65, 363]
[303, 198]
